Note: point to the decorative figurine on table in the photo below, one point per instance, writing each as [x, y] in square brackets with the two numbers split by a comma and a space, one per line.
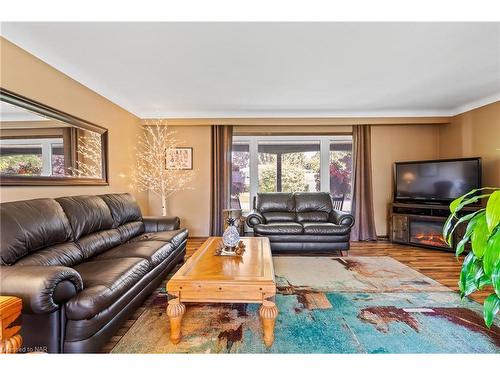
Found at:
[231, 236]
[231, 244]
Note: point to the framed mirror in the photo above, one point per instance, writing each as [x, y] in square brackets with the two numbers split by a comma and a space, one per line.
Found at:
[40, 145]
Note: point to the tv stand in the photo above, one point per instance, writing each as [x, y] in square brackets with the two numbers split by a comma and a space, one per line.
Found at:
[422, 225]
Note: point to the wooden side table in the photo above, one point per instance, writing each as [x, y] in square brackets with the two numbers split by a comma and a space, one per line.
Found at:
[10, 315]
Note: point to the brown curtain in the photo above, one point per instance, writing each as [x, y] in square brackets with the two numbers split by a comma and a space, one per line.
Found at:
[222, 140]
[362, 197]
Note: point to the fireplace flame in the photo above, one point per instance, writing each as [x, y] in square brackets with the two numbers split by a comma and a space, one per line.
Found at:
[431, 239]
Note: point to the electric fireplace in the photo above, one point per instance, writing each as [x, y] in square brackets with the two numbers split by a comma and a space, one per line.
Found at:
[427, 232]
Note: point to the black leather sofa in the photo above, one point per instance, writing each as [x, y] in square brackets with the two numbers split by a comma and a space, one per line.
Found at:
[300, 222]
[82, 265]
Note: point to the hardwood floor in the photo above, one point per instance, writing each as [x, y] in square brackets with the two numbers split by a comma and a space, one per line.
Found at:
[439, 265]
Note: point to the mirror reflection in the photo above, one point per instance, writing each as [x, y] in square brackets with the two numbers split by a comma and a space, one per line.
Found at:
[35, 145]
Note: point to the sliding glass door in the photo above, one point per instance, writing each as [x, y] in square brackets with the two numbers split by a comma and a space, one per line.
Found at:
[290, 164]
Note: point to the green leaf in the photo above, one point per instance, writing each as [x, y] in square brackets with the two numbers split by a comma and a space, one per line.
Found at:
[490, 308]
[470, 268]
[493, 210]
[495, 280]
[471, 200]
[479, 237]
[491, 257]
[461, 244]
[460, 221]
[458, 203]
[447, 227]
[483, 281]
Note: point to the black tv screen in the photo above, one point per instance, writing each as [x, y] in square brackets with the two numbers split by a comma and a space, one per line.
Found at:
[436, 181]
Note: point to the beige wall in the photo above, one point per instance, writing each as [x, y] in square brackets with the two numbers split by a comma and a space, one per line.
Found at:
[475, 133]
[26, 75]
[397, 143]
[193, 204]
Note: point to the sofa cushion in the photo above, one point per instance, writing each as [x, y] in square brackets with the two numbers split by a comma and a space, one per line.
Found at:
[28, 226]
[96, 243]
[123, 207]
[278, 228]
[275, 202]
[104, 282]
[175, 237]
[324, 229]
[276, 217]
[130, 230]
[313, 206]
[64, 254]
[86, 214]
[154, 251]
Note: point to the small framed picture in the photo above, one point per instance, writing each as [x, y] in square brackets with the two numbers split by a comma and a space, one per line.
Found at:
[179, 158]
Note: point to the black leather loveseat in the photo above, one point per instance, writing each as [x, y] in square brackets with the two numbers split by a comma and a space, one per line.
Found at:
[82, 265]
[300, 222]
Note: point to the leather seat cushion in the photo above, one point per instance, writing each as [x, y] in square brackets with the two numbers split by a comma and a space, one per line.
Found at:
[65, 254]
[308, 238]
[278, 228]
[154, 251]
[104, 282]
[276, 217]
[175, 237]
[325, 229]
[130, 230]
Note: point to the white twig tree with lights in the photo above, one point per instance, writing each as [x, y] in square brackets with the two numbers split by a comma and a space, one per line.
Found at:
[151, 173]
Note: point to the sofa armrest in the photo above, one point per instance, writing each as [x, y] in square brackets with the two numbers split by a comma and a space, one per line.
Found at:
[341, 218]
[42, 288]
[161, 223]
[254, 218]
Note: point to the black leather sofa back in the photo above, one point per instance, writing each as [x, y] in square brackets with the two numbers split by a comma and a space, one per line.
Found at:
[30, 226]
[313, 207]
[127, 217]
[276, 207]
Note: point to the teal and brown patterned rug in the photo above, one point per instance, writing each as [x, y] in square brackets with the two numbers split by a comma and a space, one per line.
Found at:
[328, 305]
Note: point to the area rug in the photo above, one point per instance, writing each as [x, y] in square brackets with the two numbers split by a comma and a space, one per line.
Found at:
[328, 305]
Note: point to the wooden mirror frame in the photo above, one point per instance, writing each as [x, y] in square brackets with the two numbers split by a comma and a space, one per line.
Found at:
[46, 111]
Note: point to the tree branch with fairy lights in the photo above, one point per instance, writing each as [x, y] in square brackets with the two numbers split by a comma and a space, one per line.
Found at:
[150, 172]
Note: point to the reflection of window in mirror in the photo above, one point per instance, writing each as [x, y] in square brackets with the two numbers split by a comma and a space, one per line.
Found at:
[34, 145]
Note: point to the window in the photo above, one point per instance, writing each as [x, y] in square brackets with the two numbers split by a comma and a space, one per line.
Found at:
[290, 164]
[32, 157]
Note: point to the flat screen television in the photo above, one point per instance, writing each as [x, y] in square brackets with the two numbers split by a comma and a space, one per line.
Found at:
[436, 181]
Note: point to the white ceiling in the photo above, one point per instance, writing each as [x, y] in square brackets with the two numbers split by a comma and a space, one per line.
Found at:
[275, 69]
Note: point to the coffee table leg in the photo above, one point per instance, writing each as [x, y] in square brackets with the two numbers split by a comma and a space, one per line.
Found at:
[268, 313]
[175, 311]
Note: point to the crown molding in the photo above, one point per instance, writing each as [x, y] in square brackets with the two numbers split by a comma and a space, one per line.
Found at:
[323, 115]
[476, 104]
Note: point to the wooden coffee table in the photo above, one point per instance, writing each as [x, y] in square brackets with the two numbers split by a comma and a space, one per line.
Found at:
[208, 278]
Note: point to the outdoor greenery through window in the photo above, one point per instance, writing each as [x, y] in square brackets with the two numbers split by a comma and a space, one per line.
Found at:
[290, 164]
[32, 157]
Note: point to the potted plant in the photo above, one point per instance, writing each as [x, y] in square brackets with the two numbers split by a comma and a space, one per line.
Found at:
[481, 266]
